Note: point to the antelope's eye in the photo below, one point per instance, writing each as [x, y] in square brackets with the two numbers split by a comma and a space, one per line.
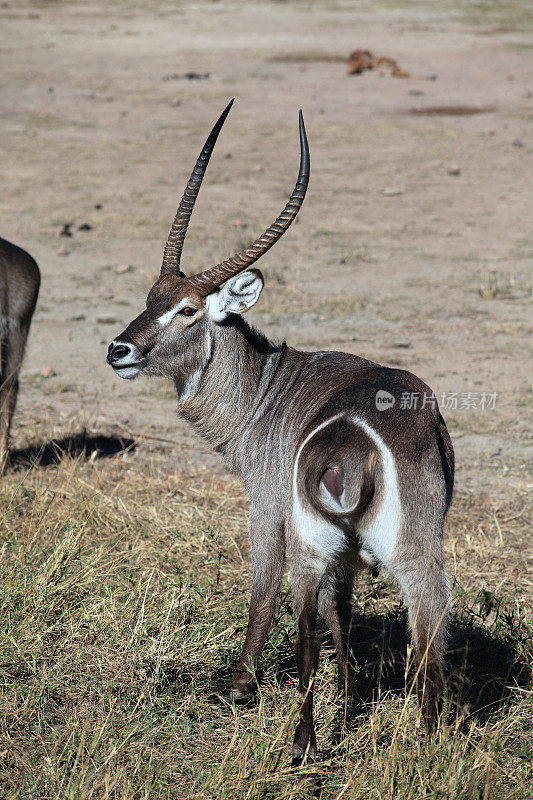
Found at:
[188, 311]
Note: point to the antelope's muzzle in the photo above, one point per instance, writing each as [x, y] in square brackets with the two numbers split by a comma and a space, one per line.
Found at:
[124, 358]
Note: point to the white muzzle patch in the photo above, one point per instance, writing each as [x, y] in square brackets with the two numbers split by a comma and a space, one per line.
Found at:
[128, 372]
[130, 365]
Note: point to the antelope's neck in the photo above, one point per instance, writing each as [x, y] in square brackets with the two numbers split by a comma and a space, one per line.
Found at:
[223, 394]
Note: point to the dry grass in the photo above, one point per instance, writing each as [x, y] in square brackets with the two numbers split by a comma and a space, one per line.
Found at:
[501, 286]
[124, 598]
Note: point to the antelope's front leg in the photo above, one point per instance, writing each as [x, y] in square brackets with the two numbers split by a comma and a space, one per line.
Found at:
[267, 546]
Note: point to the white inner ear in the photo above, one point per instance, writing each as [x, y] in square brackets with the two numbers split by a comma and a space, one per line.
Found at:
[237, 295]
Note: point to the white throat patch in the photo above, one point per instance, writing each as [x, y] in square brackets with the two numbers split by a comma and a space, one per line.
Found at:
[189, 386]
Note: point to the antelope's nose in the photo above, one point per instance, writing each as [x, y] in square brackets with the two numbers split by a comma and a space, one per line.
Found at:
[117, 351]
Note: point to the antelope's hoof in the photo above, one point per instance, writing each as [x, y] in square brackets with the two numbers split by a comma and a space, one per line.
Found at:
[240, 695]
[300, 757]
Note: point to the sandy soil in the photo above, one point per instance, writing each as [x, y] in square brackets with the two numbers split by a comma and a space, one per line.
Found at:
[413, 244]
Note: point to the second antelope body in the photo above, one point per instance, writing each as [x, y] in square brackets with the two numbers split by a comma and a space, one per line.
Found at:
[334, 481]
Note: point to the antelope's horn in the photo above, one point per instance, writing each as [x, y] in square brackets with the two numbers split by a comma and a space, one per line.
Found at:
[212, 278]
[176, 237]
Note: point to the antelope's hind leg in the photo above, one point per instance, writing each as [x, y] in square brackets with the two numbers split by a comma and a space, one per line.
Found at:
[424, 585]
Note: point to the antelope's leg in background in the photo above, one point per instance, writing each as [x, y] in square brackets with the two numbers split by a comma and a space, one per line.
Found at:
[267, 546]
[12, 352]
[4, 430]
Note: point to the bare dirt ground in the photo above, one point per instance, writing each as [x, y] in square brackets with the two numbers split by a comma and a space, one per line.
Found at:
[413, 245]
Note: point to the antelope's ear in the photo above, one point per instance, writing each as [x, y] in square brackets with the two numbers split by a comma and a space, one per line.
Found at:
[237, 295]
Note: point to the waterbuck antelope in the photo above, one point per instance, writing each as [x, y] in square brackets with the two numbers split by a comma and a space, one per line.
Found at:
[335, 478]
[19, 286]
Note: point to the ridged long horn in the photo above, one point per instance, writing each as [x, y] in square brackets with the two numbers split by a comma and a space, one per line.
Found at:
[209, 280]
[176, 237]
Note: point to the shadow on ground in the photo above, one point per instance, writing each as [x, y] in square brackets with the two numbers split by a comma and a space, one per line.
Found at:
[78, 444]
[487, 660]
